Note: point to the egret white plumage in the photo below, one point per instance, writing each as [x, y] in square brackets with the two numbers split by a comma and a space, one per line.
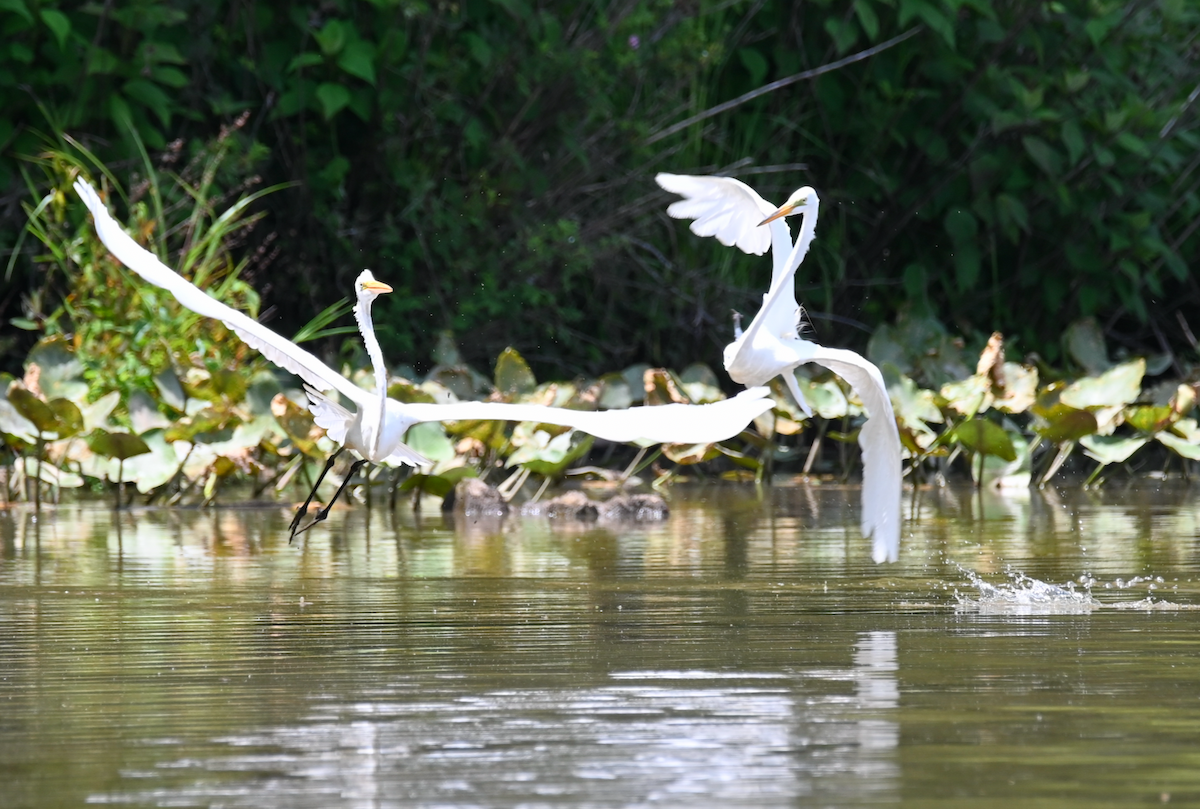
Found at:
[771, 345]
[375, 425]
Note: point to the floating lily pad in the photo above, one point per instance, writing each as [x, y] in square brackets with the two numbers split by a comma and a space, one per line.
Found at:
[550, 456]
[59, 373]
[437, 485]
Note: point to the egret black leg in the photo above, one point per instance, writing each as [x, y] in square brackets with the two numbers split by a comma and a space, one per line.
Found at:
[304, 508]
[324, 512]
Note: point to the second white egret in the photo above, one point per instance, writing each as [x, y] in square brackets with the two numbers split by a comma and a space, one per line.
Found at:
[771, 345]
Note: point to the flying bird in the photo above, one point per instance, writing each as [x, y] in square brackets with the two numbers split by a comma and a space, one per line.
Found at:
[373, 426]
[772, 346]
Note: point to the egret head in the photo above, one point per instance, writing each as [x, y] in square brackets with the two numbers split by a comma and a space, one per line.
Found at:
[366, 287]
[796, 203]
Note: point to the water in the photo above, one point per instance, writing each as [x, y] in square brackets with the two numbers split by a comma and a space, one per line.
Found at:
[1040, 649]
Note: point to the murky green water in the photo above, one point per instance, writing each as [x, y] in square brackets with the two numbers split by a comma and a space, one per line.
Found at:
[745, 652]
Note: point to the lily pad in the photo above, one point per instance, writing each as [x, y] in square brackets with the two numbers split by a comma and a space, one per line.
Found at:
[1060, 423]
[1085, 344]
[548, 456]
[58, 371]
[1182, 446]
[430, 440]
[982, 436]
[58, 416]
[513, 377]
[1109, 449]
[121, 446]
[968, 396]
[1117, 386]
[1020, 389]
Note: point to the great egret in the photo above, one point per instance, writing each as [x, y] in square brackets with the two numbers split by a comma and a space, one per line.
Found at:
[771, 345]
[375, 426]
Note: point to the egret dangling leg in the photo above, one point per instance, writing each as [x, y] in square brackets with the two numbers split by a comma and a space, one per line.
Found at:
[324, 512]
[300, 512]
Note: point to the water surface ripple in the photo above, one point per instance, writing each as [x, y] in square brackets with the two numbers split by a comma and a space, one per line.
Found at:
[1039, 647]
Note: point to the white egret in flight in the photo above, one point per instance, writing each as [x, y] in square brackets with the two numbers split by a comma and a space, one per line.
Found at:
[771, 345]
[375, 425]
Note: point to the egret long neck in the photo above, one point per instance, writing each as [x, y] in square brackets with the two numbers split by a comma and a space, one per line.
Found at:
[362, 313]
[808, 231]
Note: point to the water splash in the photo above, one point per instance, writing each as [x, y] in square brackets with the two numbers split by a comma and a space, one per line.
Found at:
[1025, 595]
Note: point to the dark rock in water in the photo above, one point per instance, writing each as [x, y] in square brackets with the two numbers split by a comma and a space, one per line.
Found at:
[474, 498]
[567, 506]
[634, 508]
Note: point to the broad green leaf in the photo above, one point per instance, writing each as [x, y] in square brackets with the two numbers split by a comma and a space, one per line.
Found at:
[1043, 154]
[1085, 344]
[1062, 423]
[614, 393]
[867, 19]
[755, 64]
[151, 96]
[17, 7]
[912, 405]
[687, 454]
[333, 98]
[303, 60]
[59, 372]
[1181, 446]
[986, 437]
[34, 409]
[14, 424]
[1072, 138]
[68, 418]
[358, 59]
[331, 37]
[430, 439]
[968, 396]
[1020, 388]
[58, 23]
[121, 446]
[961, 225]
[1109, 449]
[1119, 385]
[513, 377]
[438, 485]
[1150, 419]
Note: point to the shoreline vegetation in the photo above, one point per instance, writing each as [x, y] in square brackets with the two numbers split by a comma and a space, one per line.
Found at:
[127, 388]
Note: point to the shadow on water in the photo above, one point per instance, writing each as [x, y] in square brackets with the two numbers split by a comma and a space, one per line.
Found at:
[1040, 645]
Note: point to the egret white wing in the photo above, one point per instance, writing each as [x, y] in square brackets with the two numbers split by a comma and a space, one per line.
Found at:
[667, 424]
[728, 209]
[277, 349]
[880, 442]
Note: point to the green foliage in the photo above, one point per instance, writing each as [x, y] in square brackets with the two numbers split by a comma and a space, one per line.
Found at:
[493, 161]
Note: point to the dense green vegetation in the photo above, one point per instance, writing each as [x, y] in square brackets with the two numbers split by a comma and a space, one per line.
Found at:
[1011, 165]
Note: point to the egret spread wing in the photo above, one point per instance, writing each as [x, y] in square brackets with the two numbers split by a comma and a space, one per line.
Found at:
[667, 424]
[279, 350]
[728, 209]
[880, 442]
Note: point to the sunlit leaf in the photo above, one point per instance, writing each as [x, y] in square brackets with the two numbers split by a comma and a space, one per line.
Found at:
[1109, 449]
[1181, 446]
[430, 440]
[513, 377]
[1119, 385]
